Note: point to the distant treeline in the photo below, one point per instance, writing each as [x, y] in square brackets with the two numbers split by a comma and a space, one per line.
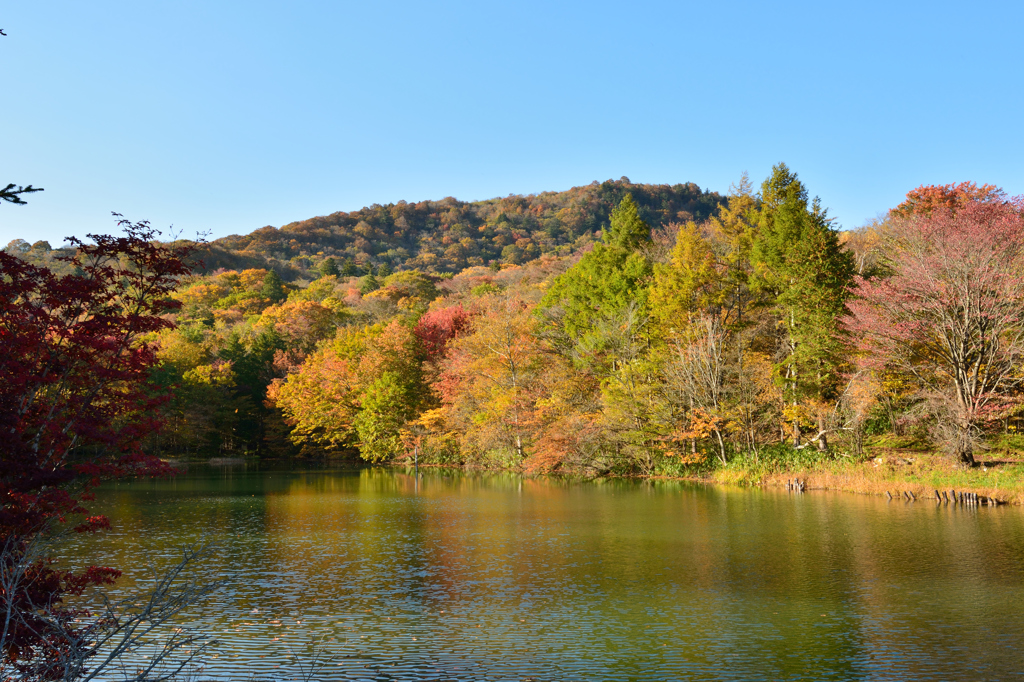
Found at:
[451, 235]
[443, 236]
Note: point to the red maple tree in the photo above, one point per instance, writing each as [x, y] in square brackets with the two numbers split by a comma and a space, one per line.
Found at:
[75, 404]
[437, 328]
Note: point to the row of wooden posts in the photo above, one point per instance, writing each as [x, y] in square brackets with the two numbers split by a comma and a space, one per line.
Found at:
[964, 498]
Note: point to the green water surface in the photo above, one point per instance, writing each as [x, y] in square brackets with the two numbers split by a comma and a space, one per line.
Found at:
[497, 577]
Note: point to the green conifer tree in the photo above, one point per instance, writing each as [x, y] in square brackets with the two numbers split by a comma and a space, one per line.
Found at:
[369, 283]
[273, 288]
[329, 267]
[608, 279]
[801, 266]
[627, 230]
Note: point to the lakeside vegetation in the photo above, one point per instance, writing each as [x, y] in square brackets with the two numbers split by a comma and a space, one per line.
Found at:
[920, 471]
[612, 329]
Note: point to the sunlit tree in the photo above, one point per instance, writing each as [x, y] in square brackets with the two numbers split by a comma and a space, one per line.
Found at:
[951, 314]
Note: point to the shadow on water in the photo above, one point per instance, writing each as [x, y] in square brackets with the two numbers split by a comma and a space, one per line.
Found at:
[498, 577]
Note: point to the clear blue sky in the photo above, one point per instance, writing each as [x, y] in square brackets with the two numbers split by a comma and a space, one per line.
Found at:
[228, 116]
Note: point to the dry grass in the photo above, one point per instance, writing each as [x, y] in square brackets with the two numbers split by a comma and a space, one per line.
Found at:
[917, 472]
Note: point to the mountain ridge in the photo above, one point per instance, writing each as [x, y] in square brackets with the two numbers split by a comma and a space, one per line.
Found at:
[448, 235]
[438, 236]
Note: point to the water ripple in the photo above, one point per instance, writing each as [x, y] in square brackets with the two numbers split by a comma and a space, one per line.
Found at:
[497, 578]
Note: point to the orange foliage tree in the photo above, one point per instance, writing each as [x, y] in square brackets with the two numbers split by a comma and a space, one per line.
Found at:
[374, 370]
[926, 198]
[492, 378]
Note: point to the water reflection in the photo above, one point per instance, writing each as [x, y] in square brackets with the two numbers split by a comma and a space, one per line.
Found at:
[502, 578]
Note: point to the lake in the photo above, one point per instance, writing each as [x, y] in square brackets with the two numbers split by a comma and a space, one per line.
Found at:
[454, 576]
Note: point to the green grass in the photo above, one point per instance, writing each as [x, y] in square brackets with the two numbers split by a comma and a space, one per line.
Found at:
[1011, 444]
[890, 441]
[769, 461]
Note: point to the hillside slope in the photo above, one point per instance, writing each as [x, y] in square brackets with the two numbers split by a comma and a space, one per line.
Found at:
[449, 235]
[438, 236]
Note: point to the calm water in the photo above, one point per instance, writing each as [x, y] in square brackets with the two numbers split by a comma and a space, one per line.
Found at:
[499, 578]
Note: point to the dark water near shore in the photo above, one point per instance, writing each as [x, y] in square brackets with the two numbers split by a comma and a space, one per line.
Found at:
[460, 577]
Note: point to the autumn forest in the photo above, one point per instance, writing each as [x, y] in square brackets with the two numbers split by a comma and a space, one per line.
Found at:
[614, 328]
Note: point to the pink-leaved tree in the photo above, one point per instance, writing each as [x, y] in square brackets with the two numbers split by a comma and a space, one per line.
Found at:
[950, 312]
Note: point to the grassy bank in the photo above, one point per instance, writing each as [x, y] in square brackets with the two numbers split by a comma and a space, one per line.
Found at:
[886, 466]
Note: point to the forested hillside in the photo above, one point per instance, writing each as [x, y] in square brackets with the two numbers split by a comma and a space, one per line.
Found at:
[655, 347]
[450, 235]
[439, 236]
[611, 328]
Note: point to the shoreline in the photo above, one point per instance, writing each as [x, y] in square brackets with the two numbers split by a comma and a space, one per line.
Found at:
[920, 474]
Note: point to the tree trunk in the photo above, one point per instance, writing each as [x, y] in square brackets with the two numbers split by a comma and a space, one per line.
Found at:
[822, 436]
[965, 457]
[721, 446]
[693, 441]
[796, 433]
[963, 450]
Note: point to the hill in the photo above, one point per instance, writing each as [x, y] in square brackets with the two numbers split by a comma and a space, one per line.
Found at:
[439, 236]
[450, 235]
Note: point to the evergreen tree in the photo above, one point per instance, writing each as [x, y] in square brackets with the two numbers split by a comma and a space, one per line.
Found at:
[608, 279]
[628, 231]
[384, 271]
[369, 283]
[348, 268]
[801, 266]
[273, 288]
[252, 369]
[329, 267]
